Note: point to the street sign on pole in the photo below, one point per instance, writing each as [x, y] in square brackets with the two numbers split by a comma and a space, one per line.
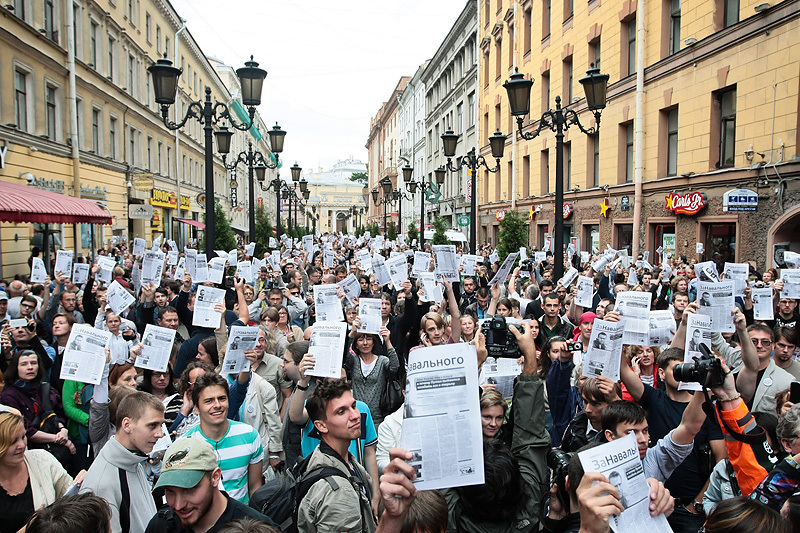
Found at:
[463, 220]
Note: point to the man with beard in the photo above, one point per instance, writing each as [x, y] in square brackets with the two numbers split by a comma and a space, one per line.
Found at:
[191, 480]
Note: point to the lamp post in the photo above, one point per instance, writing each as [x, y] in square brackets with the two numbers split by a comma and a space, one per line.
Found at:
[473, 161]
[314, 218]
[399, 196]
[277, 185]
[558, 120]
[422, 185]
[256, 164]
[165, 85]
[386, 187]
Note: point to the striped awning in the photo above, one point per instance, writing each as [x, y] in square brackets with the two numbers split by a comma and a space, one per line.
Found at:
[21, 203]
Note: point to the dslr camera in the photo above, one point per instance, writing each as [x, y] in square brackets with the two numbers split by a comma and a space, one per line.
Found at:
[499, 341]
[526, 265]
[558, 463]
[705, 370]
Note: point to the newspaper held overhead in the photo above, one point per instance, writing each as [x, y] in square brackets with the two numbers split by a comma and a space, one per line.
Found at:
[716, 300]
[585, 295]
[505, 270]
[382, 276]
[791, 283]
[442, 417]
[153, 267]
[119, 298]
[469, 261]
[570, 275]
[207, 298]
[398, 270]
[327, 347]
[369, 311]
[201, 269]
[763, 308]
[605, 348]
[106, 265]
[138, 246]
[85, 355]
[706, 271]
[619, 462]
[662, 328]
[327, 304]
[244, 269]
[634, 308]
[350, 287]
[422, 261]
[501, 373]
[80, 273]
[38, 272]
[446, 261]
[698, 331]
[240, 339]
[432, 292]
[64, 262]
[737, 272]
[172, 257]
[190, 264]
[156, 348]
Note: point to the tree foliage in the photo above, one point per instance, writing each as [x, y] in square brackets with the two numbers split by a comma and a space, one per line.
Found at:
[439, 229]
[413, 233]
[391, 232]
[264, 231]
[225, 238]
[513, 234]
[360, 177]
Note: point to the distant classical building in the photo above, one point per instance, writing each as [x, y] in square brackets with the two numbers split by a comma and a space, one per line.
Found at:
[333, 197]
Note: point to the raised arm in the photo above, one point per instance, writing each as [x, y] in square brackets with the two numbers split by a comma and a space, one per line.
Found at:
[455, 314]
[632, 382]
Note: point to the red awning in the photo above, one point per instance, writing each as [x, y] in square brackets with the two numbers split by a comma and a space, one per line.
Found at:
[195, 223]
[21, 203]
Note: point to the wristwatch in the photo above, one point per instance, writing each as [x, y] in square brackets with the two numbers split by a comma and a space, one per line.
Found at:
[698, 506]
[301, 388]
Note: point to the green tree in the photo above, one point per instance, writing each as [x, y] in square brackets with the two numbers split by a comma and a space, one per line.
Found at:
[439, 229]
[391, 232]
[264, 231]
[224, 239]
[360, 177]
[513, 234]
[413, 233]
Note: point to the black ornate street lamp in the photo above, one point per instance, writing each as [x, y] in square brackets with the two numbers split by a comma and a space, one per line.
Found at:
[595, 85]
[473, 161]
[386, 188]
[165, 85]
[422, 185]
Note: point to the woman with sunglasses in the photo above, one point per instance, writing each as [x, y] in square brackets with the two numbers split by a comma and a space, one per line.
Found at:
[160, 385]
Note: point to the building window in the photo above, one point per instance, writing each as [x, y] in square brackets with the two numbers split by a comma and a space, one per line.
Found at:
[460, 119]
[594, 53]
[19, 8]
[672, 142]
[567, 79]
[726, 101]
[160, 160]
[498, 53]
[675, 26]
[96, 131]
[158, 40]
[626, 152]
[166, 47]
[568, 164]
[50, 106]
[150, 164]
[93, 44]
[471, 109]
[569, 8]
[526, 31]
[132, 147]
[623, 236]
[436, 138]
[486, 68]
[545, 19]
[50, 30]
[131, 73]
[526, 176]
[111, 59]
[148, 27]
[719, 243]
[628, 59]
[545, 91]
[731, 12]
[21, 100]
[544, 172]
[487, 11]
[112, 138]
[169, 161]
[591, 237]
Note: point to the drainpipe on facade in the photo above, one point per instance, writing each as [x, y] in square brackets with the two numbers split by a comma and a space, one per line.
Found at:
[176, 110]
[511, 123]
[478, 91]
[72, 104]
[639, 131]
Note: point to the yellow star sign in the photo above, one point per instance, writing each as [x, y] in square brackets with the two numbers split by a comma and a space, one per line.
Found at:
[531, 212]
[604, 207]
[669, 202]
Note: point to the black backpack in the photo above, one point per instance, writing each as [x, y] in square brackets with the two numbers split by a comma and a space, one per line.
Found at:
[280, 498]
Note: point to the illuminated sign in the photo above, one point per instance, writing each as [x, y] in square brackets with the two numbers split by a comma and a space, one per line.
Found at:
[162, 198]
[689, 203]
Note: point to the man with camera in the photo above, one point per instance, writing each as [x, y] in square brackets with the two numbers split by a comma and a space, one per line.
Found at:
[666, 410]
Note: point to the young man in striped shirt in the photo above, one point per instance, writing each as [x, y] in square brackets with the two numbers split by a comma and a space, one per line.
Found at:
[237, 445]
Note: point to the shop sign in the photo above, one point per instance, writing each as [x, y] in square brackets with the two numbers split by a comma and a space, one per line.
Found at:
[162, 198]
[200, 199]
[143, 183]
[155, 222]
[567, 210]
[140, 211]
[185, 202]
[45, 184]
[668, 244]
[500, 214]
[625, 203]
[740, 200]
[689, 203]
[94, 193]
[3, 151]
[604, 207]
[234, 194]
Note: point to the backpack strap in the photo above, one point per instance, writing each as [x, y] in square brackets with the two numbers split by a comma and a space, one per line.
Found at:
[308, 479]
[125, 503]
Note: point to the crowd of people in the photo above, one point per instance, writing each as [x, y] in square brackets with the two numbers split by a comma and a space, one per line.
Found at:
[195, 448]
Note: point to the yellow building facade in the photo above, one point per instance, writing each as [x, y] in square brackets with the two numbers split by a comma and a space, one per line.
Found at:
[718, 113]
[127, 158]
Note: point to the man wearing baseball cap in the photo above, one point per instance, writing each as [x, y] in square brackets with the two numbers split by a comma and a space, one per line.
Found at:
[192, 483]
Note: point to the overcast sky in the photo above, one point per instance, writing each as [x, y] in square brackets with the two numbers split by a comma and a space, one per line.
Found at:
[330, 63]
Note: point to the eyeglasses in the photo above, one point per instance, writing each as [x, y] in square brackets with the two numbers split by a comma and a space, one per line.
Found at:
[763, 342]
[295, 293]
[27, 305]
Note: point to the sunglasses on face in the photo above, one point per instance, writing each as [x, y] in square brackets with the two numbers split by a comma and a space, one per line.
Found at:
[763, 342]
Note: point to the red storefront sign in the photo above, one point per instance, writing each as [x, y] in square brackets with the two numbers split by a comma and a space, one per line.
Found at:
[689, 203]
